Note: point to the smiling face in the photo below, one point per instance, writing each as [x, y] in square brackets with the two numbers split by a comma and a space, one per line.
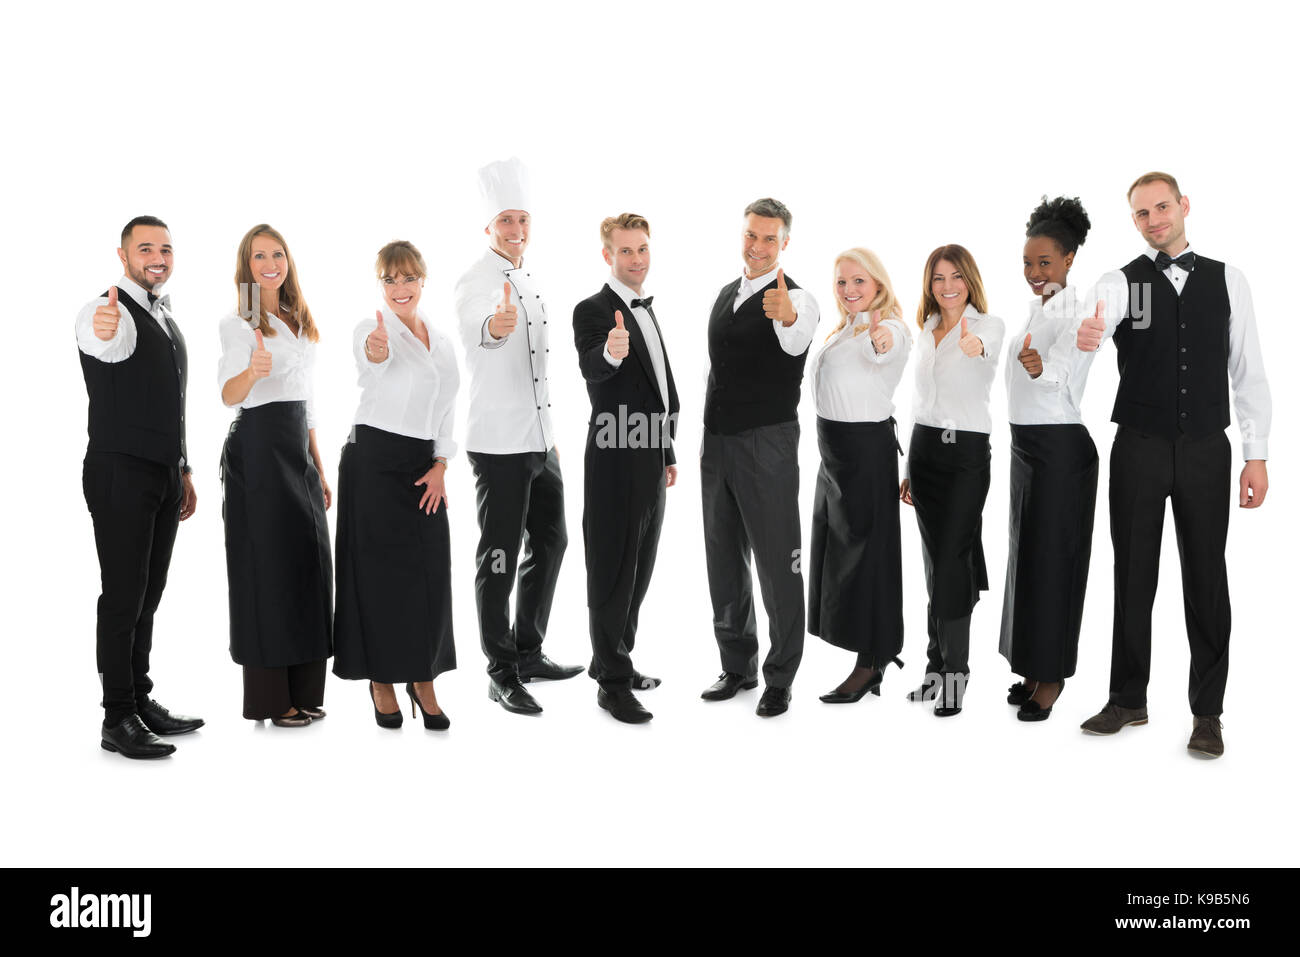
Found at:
[268, 262]
[948, 287]
[628, 256]
[763, 239]
[147, 256]
[402, 293]
[508, 233]
[854, 287]
[1158, 214]
[1046, 267]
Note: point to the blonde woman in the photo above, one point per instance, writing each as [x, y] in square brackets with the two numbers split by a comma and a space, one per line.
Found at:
[393, 619]
[855, 579]
[277, 540]
[948, 461]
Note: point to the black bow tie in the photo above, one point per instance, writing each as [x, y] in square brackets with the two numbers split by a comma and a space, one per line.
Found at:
[1187, 261]
[643, 302]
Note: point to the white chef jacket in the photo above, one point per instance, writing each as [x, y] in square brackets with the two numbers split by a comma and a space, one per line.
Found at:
[854, 383]
[1045, 401]
[413, 391]
[509, 394]
[952, 388]
[293, 361]
[122, 345]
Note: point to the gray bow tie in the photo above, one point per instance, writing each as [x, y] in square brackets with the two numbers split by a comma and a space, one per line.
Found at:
[165, 301]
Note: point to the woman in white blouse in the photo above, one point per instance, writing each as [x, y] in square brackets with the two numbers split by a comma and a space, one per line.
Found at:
[948, 461]
[393, 623]
[1053, 473]
[855, 577]
[277, 539]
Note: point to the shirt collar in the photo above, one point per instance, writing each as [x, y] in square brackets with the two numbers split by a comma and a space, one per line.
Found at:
[758, 282]
[1152, 252]
[970, 312]
[1062, 304]
[136, 292]
[624, 292]
[500, 262]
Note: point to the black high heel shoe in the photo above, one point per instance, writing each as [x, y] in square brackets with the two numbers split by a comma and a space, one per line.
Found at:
[392, 719]
[432, 722]
[1033, 711]
[872, 686]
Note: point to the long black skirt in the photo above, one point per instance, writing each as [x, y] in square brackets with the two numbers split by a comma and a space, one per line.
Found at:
[948, 472]
[277, 539]
[1053, 496]
[855, 564]
[393, 619]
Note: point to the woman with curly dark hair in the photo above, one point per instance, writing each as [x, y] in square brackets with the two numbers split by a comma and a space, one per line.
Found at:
[1053, 473]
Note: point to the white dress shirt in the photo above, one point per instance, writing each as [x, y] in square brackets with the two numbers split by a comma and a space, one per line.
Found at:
[1044, 401]
[854, 383]
[413, 391]
[122, 345]
[653, 344]
[1251, 397]
[293, 359]
[797, 337]
[509, 395]
[952, 388]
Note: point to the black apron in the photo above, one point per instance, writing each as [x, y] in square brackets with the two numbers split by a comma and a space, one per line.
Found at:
[392, 623]
[855, 563]
[948, 471]
[277, 539]
[1053, 496]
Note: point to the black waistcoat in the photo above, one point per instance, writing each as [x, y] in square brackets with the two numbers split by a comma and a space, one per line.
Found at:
[1173, 358]
[137, 406]
[752, 380]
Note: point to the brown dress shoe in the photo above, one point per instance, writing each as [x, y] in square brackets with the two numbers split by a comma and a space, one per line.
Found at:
[1113, 718]
[1207, 735]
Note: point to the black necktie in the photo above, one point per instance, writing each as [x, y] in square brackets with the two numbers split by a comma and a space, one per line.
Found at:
[1186, 262]
[643, 302]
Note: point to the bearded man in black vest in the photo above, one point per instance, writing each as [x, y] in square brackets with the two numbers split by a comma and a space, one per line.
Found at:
[759, 332]
[1184, 327]
[136, 479]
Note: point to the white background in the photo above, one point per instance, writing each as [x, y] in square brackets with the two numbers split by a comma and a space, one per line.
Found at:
[897, 128]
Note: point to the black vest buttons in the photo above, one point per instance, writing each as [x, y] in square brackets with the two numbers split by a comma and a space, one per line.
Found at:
[1183, 367]
[1183, 391]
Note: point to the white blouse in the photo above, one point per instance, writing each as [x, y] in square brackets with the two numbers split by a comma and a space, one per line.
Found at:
[293, 360]
[854, 383]
[1044, 401]
[952, 388]
[413, 391]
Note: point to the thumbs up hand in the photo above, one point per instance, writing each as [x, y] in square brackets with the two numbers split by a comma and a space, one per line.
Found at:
[377, 341]
[1092, 330]
[259, 366]
[970, 344]
[505, 318]
[881, 336]
[107, 317]
[617, 342]
[776, 302]
[1030, 359]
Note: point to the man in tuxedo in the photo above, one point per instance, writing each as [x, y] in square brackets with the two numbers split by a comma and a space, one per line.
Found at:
[629, 459]
[1184, 326]
[759, 332]
[136, 479]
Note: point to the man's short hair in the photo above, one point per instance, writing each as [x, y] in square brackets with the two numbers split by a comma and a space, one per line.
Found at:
[140, 221]
[770, 208]
[621, 221]
[1146, 179]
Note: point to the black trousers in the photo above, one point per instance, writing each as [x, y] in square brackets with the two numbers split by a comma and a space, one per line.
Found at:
[271, 692]
[750, 488]
[520, 503]
[1195, 474]
[135, 507]
[614, 615]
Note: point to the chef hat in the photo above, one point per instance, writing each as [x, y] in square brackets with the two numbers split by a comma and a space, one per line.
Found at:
[503, 185]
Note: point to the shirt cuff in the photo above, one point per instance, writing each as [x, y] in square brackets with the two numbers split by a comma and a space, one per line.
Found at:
[1256, 449]
[488, 342]
[610, 359]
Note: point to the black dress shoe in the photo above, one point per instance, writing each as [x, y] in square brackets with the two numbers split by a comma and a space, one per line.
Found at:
[642, 682]
[774, 701]
[622, 704]
[131, 739]
[513, 696]
[544, 667]
[432, 722]
[951, 693]
[314, 713]
[726, 687]
[161, 721]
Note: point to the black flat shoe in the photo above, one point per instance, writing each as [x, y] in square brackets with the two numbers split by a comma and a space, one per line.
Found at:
[642, 682]
[622, 704]
[872, 686]
[432, 722]
[1033, 711]
[774, 701]
[161, 721]
[314, 713]
[385, 719]
[512, 696]
[952, 690]
[544, 668]
[1019, 693]
[298, 720]
[726, 687]
[131, 739]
